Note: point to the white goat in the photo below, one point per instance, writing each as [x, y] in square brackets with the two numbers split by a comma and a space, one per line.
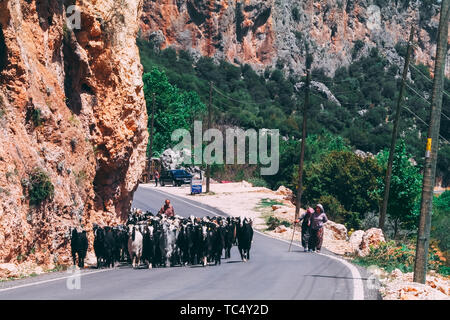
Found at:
[134, 245]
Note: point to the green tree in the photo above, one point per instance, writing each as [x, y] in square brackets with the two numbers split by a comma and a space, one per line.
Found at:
[175, 108]
[345, 176]
[405, 190]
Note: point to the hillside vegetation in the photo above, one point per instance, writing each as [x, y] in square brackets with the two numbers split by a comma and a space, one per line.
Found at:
[349, 186]
[367, 91]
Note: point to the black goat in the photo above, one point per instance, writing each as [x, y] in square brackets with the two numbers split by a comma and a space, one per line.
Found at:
[79, 246]
[245, 237]
[99, 245]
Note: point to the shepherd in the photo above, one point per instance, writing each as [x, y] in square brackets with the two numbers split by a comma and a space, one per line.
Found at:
[167, 209]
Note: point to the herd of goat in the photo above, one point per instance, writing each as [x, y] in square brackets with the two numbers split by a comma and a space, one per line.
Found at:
[157, 240]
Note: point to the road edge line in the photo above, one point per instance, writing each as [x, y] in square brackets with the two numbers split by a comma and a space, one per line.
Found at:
[51, 280]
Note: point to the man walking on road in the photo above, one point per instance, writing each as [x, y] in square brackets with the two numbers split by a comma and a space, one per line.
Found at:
[167, 209]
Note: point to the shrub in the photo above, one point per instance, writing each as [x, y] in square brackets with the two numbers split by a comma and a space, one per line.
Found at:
[391, 255]
[258, 182]
[269, 202]
[345, 176]
[359, 44]
[295, 14]
[36, 117]
[440, 224]
[336, 212]
[40, 187]
[273, 222]
[80, 177]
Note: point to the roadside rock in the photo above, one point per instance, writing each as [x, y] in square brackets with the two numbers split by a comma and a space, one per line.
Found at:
[282, 190]
[356, 239]
[8, 270]
[246, 184]
[400, 286]
[371, 238]
[286, 193]
[335, 231]
[280, 229]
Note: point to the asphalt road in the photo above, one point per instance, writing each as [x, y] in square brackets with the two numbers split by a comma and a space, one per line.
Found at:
[272, 273]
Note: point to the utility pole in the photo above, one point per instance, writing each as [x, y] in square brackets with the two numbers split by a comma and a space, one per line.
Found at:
[298, 201]
[151, 136]
[387, 179]
[431, 151]
[208, 167]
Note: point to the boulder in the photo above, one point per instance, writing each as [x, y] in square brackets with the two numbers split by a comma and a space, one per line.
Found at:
[284, 210]
[283, 191]
[8, 270]
[280, 229]
[356, 239]
[371, 238]
[246, 184]
[335, 231]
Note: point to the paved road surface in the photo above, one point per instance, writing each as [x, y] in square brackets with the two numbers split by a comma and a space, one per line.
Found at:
[272, 273]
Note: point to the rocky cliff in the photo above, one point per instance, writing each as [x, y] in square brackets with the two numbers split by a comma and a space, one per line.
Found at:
[73, 122]
[263, 33]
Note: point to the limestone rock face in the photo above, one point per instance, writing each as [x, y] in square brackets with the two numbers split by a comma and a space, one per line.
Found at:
[261, 33]
[72, 105]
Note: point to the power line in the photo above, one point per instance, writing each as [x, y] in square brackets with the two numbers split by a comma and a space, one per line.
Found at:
[431, 81]
[426, 100]
[415, 68]
[340, 81]
[239, 101]
[423, 122]
[347, 104]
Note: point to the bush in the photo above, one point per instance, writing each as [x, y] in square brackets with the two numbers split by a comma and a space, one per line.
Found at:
[258, 182]
[345, 176]
[40, 187]
[295, 14]
[36, 117]
[336, 212]
[269, 202]
[440, 223]
[359, 44]
[273, 222]
[390, 255]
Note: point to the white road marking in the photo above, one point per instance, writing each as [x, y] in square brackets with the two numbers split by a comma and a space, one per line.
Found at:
[51, 280]
[358, 286]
